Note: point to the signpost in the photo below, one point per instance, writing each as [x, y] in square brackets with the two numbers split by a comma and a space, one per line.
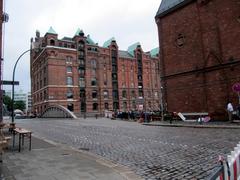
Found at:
[236, 88]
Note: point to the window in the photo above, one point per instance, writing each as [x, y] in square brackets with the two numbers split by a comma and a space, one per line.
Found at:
[82, 62]
[114, 68]
[156, 94]
[94, 82]
[93, 72]
[133, 95]
[81, 72]
[115, 95]
[69, 81]
[69, 94]
[115, 85]
[139, 77]
[114, 76]
[123, 68]
[70, 107]
[140, 85]
[114, 60]
[133, 104]
[52, 42]
[82, 94]
[140, 93]
[124, 106]
[83, 107]
[106, 106]
[81, 82]
[115, 105]
[69, 69]
[124, 94]
[105, 94]
[95, 106]
[69, 59]
[94, 94]
[93, 64]
[149, 104]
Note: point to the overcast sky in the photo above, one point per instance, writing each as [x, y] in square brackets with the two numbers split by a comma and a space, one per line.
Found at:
[129, 21]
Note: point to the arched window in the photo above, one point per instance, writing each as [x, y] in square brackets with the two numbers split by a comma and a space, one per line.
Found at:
[69, 80]
[105, 94]
[95, 106]
[52, 42]
[106, 106]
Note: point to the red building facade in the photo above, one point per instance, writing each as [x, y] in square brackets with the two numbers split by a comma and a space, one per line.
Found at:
[87, 78]
[199, 54]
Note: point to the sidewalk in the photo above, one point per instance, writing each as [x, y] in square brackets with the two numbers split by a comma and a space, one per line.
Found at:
[178, 123]
[52, 161]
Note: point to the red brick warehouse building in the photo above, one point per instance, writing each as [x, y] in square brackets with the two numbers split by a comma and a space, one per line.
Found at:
[77, 73]
[199, 54]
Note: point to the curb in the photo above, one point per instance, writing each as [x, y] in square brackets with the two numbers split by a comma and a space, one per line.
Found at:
[118, 168]
[194, 126]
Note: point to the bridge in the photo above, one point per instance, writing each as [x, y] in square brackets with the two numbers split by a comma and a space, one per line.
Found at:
[57, 111]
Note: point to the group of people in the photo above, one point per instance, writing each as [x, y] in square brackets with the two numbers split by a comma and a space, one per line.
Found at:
[230, 111]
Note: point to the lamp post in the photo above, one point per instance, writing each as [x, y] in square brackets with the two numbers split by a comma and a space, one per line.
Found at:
[161, 101]
[12, 125]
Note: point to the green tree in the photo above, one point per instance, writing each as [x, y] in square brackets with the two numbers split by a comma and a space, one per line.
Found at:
[19, 105]
[8, 102]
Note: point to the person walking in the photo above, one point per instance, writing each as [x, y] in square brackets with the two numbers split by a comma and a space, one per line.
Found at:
[230, 111]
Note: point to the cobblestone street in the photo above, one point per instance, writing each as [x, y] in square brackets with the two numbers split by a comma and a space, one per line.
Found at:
[152, 152]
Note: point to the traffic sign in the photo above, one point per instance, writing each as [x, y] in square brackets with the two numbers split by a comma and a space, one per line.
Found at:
[236, 87]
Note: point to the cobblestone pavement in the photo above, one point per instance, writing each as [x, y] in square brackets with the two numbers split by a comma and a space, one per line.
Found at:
[152, 152]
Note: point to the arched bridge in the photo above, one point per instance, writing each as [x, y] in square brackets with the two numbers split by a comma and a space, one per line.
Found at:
[57, 111]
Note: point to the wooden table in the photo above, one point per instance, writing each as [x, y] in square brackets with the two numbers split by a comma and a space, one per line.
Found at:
[22, 133]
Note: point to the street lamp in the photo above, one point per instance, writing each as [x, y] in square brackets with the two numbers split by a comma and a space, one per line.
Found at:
[161, 96]
[12, 125]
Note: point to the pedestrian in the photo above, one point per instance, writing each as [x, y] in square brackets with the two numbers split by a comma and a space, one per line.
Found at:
[238, 111]
[230, 111]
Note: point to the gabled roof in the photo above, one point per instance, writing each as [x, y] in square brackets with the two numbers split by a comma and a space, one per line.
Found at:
[108, 42]
[132, 48]
[51, 31]
[168, 6]
[90, 41]
[154, 52]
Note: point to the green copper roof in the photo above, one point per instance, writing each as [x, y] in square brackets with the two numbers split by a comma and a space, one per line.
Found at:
[132, 48]
[168, 6]
[78, 32]
[90, 41]
[124, 54]
[154, 52]
[51, 31]
[108, 42]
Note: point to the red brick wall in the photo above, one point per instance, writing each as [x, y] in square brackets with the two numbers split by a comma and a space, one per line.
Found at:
[208, 59]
